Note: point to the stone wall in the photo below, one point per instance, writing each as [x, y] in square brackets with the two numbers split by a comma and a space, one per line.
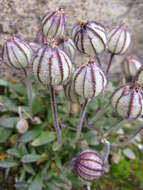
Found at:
[21, 17]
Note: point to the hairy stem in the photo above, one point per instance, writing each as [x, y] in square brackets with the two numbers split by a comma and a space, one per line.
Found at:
[110, 62]
[29, 88]
[54, 111]
[81, 119]
[107, 150]
[130, 139]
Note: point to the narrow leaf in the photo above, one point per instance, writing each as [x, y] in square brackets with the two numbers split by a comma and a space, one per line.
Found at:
[8, 163]
[29, 158]
[44, 138]
[4, 134]
[8, 122]
[36, 184]
[30, 135]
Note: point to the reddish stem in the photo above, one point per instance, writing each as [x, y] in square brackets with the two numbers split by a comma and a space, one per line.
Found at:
[54, 111]
[81, 119]
[110, 62]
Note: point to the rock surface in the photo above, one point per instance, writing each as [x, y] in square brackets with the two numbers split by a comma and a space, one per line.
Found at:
[21, 18]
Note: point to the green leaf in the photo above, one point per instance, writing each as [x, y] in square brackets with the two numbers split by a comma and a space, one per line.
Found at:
[30, 135]
[8, 122]
[29, 169]
[14, 152]
[8, 163]
[35, 105]
[36, 184]
[92, 138]
[18, 88]
[4, 134]
[29, 158]
[8, 105]
[56, 146]
[44, 138]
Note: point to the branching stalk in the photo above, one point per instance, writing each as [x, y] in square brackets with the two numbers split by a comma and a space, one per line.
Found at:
[117, 126]
[54, 111]
[130, 139]
[109, 64]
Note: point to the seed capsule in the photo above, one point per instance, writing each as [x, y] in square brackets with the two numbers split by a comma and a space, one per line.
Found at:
[131, 66]
[22, 126]
[71, 95]
[16, 53]
[89, 37]
[139, 77]
[127, 101]
[89, 80]
[53, 23]
[68, 46]
[119, 40]
[51, 66]
[89, 165]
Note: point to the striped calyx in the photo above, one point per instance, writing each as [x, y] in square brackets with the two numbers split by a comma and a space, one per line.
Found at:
[68, 46]
[119, 40]
[54, 23]
[89, 37]
[71, 95]
[16, 53]
[89, 165]
[51, 66]
[40, 37]
[89, 80]
[139, 77]
[131, 66]
[127, 101]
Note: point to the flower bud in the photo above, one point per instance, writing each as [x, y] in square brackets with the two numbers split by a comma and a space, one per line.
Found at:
[119, 40]
[89, 37]
[89, 165]
[51, 66]
[67, 45]
[16, 53]
[22, 126]
[127, 101]
[53, 23]
[89, 80]
[131, 66]
[71, 95]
